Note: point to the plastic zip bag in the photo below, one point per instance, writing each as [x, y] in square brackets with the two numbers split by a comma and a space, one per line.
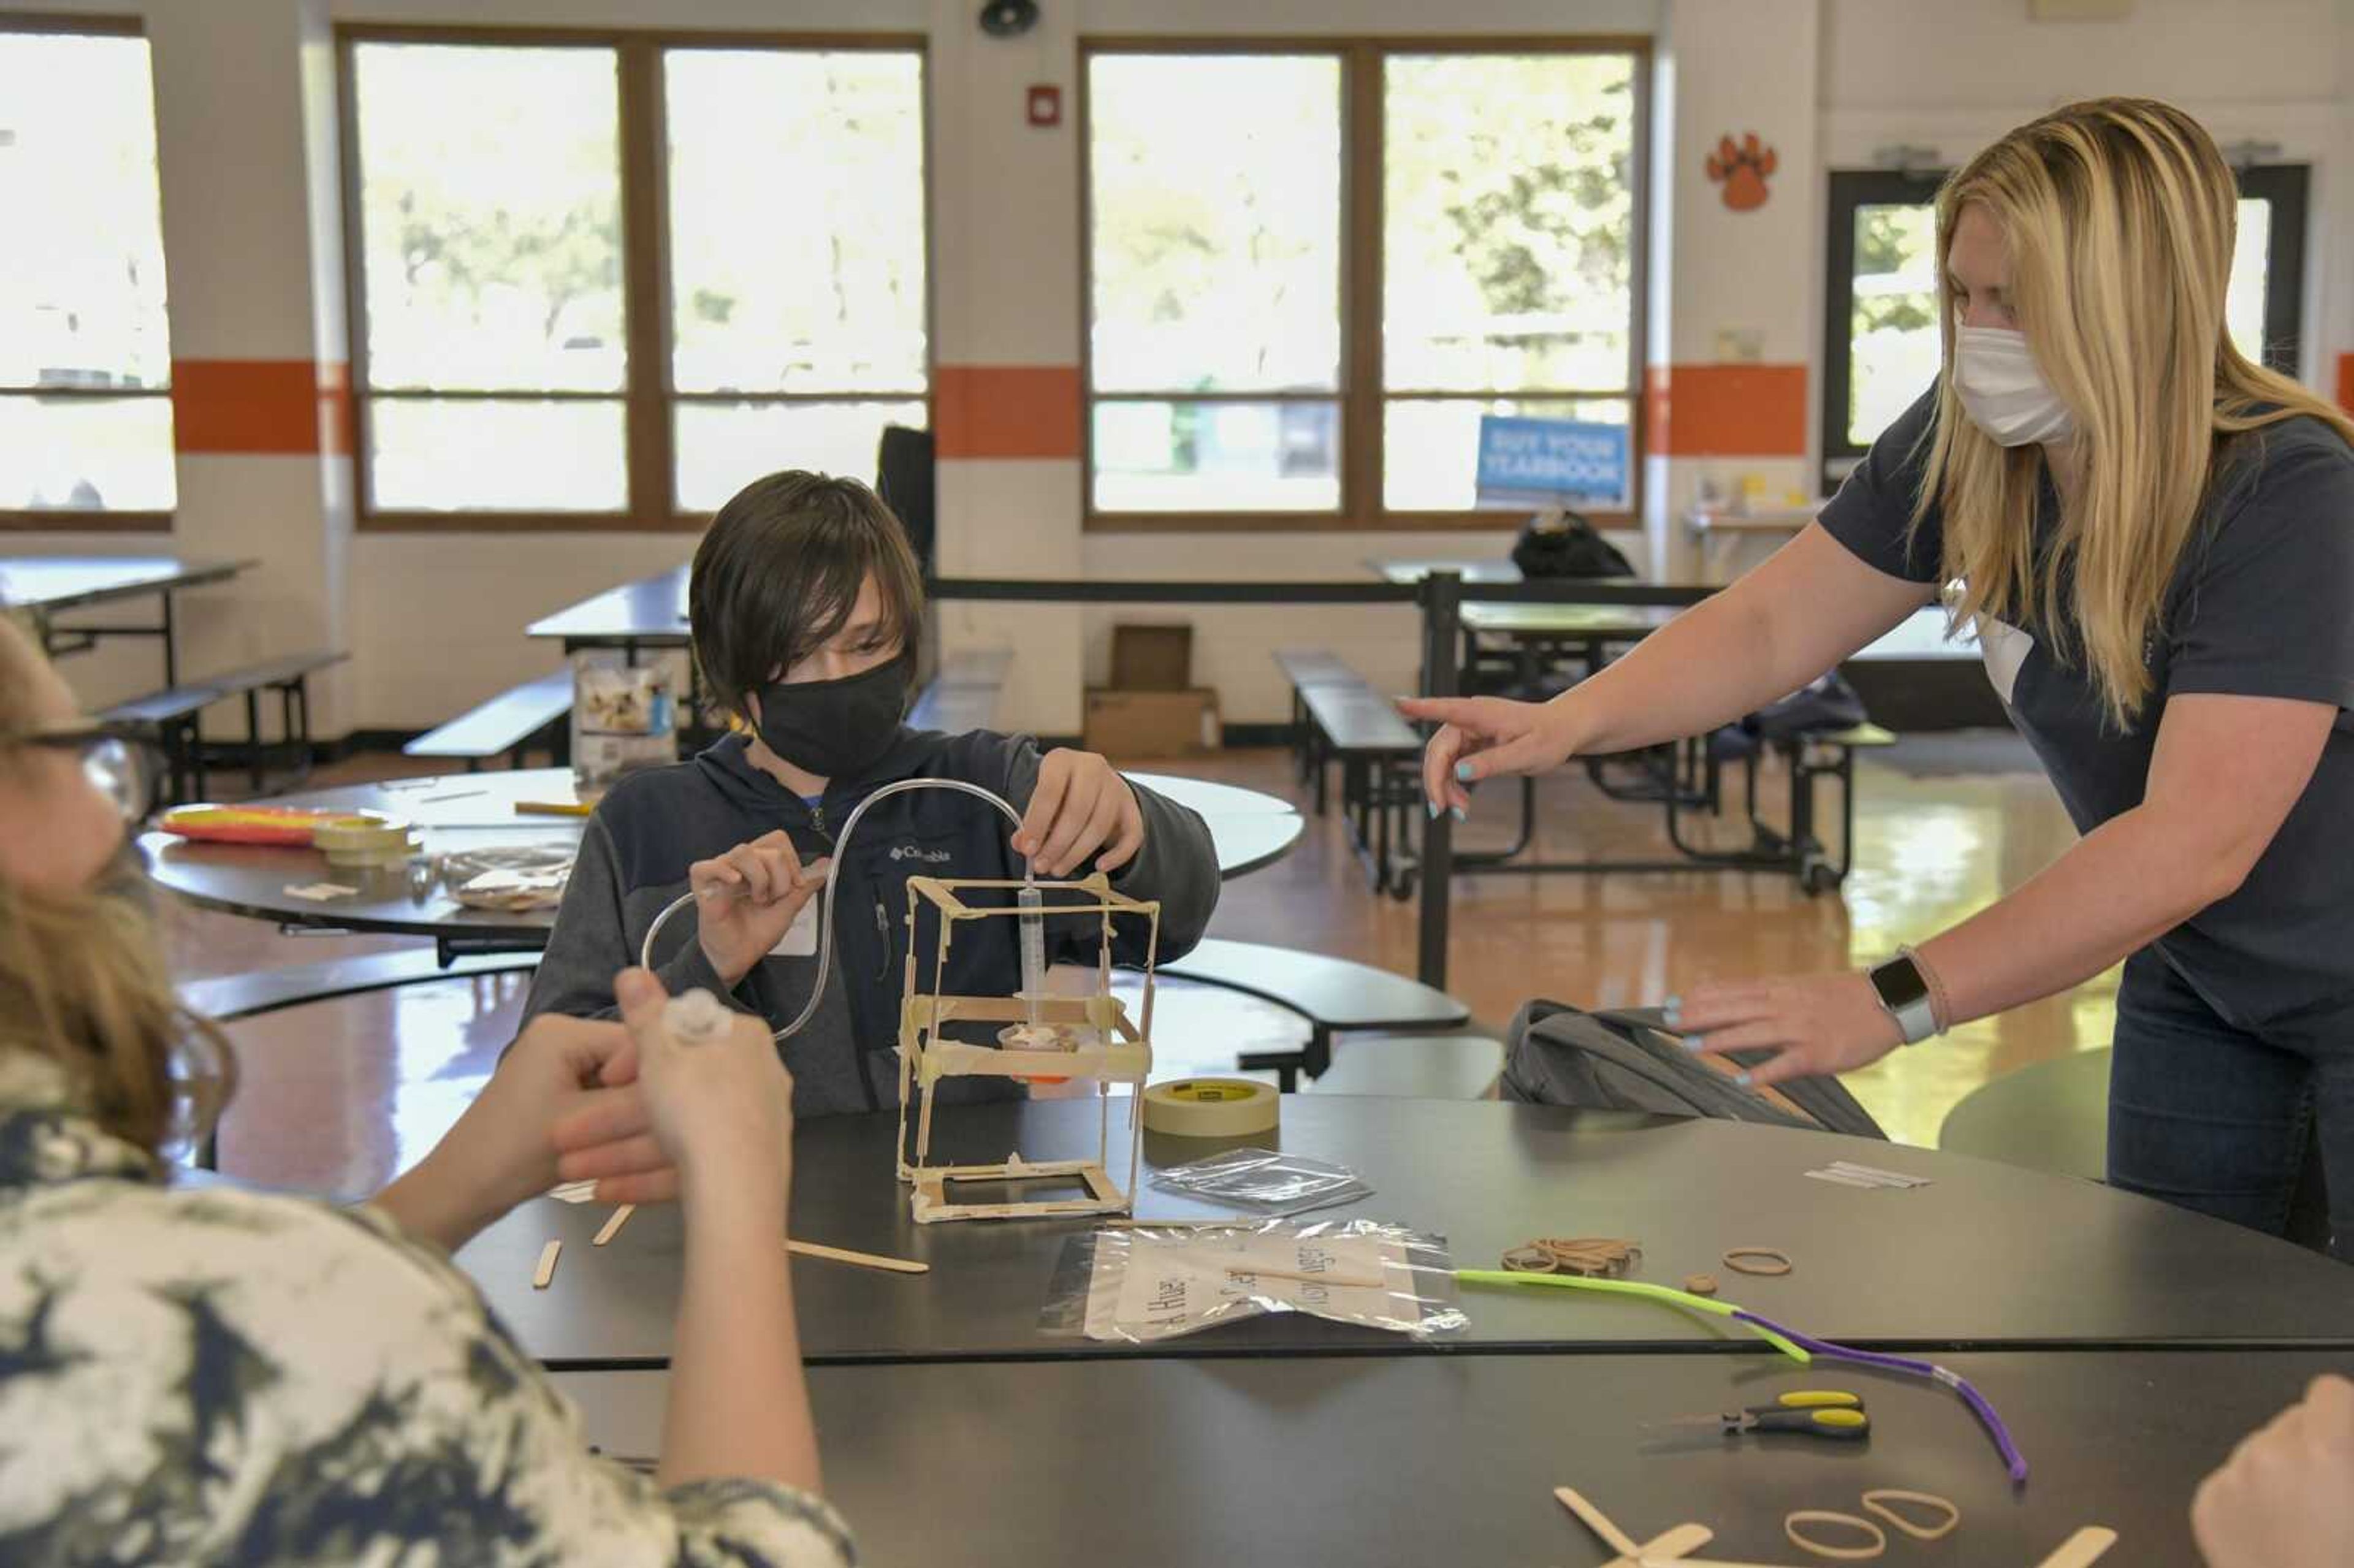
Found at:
[1265, 1182]
[1148, 1282]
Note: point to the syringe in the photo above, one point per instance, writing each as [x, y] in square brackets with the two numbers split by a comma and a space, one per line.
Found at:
[1032, 921]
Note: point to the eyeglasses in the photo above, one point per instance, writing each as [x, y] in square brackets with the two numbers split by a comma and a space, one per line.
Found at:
[124, 765]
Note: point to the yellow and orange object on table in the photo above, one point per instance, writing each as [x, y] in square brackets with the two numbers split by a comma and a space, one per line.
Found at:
[354, 838]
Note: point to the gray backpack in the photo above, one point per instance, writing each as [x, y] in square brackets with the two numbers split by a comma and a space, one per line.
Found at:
[1632, 1061]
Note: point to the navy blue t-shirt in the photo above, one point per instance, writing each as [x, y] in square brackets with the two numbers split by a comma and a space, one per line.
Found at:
[2262, 605]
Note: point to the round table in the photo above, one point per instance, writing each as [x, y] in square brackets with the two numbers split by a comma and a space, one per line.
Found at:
[2092, 1320]
[2053, 1115]
[1987, 1255]
[475, 810]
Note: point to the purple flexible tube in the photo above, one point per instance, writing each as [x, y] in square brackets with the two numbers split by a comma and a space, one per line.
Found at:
[1953, 1380]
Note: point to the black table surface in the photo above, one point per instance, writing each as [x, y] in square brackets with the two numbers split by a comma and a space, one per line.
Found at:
[477, 811]
[1987, 1256]
[650, 611]
[61, 582]
[1423, 1460]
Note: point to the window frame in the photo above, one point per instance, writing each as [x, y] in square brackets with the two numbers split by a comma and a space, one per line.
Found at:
[2289, 188]
[2286, 185]
[63, 520]
[1850, 190]
[1362, 399]
[648, 396]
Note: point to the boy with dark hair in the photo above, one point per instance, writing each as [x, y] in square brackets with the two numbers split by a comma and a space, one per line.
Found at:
[806, 610]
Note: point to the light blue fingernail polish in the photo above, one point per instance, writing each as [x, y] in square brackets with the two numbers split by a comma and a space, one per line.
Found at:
[1695, 1041]
[1460, 814]
[1434, 811]
[1463, 771]
[1742, 1079]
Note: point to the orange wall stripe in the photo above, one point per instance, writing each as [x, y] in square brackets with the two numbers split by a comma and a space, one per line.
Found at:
[286, 407]
[1725, 410]
[1007, 410]
[2346, 382]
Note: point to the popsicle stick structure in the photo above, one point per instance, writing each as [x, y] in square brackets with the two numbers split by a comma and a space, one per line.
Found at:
[1105, 1046]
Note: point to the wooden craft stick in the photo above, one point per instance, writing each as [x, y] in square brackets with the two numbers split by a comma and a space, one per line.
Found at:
[547, 1270]
[612, 1227]
[1597, 1521]
[861, 1259]
[552, 809]
[1668, 1548]
[1352, 1281]
[2086, 1546]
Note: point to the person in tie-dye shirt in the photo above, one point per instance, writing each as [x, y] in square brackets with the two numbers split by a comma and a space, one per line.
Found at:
[208, 1375]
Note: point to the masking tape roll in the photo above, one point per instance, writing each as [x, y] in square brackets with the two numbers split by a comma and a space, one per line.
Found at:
[366, 833]
[1210, 1107]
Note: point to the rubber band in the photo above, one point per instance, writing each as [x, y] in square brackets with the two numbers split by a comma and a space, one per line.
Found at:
[1733, 1256]
[1607, 1256]
[1800, 1540]
[1876, 1502]
[1530, 1259]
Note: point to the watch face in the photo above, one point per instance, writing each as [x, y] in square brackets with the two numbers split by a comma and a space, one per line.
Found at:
[1900, 985]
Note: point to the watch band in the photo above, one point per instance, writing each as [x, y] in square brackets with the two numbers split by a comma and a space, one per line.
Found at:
[1939, 1002]
[1904, 992]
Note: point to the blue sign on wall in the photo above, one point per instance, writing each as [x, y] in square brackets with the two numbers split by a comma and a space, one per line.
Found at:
[1538, 463]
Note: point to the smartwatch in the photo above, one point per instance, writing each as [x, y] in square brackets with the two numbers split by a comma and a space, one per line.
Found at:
[1904, 992]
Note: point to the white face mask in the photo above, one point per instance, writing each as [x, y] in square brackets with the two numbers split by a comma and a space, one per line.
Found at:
[2003, 392]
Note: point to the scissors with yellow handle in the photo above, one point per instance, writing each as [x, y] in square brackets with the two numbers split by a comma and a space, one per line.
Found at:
[1833, 1414]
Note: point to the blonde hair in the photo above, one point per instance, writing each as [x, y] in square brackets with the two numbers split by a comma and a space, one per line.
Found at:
[2120, 215]
[83, 982]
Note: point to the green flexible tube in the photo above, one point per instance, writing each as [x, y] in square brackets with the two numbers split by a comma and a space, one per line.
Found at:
[1672, 1297]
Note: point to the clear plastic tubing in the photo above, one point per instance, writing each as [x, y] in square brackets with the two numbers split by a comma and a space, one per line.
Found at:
[1033, 980]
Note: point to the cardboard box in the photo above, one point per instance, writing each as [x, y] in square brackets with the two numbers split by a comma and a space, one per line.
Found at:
[1143, 726]
[1151, 658]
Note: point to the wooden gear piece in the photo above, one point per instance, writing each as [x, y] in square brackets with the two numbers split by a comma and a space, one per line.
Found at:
[1113, 1050]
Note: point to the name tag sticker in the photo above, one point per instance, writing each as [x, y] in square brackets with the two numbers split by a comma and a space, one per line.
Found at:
[800, 940]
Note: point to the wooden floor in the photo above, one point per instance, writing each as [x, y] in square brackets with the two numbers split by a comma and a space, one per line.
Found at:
[339, 1098]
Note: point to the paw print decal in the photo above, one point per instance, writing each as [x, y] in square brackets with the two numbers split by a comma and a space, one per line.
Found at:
[1742, 169]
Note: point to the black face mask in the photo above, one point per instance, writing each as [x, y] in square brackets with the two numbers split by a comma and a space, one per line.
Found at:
[835, 730]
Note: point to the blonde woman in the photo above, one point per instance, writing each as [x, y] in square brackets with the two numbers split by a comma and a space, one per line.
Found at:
[210, 1375]
[2155, 539]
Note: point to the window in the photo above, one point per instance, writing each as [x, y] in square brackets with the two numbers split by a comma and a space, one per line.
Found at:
[797, 318]
[1881, 340]
[85, 350]
[608, 280]
[1311, 271]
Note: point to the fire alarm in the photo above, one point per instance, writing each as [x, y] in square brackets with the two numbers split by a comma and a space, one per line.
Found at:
[1045, 105]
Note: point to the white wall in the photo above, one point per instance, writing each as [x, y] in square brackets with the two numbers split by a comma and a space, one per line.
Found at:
[1927, 55]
